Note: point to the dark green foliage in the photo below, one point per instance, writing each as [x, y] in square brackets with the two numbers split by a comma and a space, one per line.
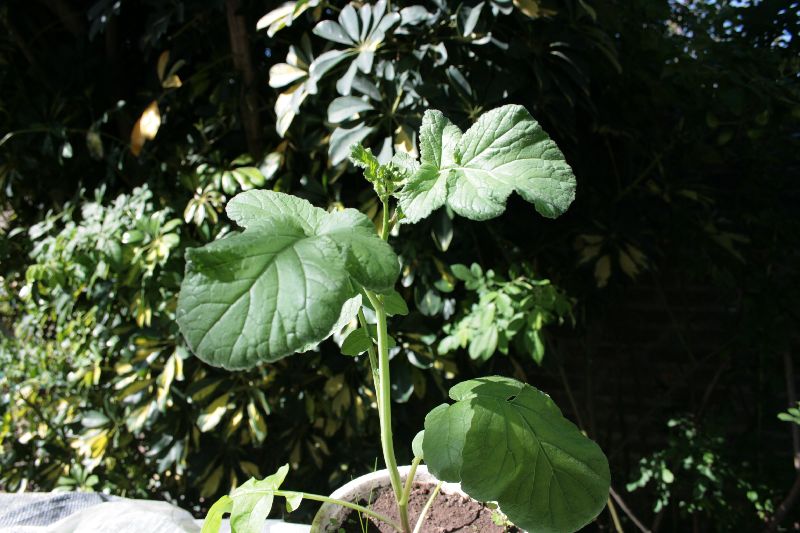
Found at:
[693, 474]
[507, 314]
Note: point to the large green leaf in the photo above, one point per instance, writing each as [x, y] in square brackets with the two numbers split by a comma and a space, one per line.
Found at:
[281, 285]
[504, 151]
[506, 441]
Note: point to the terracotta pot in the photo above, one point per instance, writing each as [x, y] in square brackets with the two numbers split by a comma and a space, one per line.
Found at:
[331, 516]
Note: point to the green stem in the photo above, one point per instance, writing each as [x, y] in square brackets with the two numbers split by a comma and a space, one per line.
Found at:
[373, 359]
[349, 505]
[385, 402]
[383, 390]
[421, 519]
[403, 503]
[385, 228]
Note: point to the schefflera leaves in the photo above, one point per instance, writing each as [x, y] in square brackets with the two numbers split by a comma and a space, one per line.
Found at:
[508, 442]
[281, 285]
[473, 173]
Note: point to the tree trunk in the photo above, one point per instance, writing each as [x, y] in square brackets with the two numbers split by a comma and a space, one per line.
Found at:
[243, 63]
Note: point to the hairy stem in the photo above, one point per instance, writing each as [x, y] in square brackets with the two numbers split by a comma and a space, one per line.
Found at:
[424, 512]
[385, 403]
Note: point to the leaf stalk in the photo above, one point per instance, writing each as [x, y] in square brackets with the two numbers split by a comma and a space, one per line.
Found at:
[403, 503]
[373, 359]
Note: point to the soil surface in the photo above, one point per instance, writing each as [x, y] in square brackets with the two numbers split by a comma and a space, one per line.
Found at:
[450, 513]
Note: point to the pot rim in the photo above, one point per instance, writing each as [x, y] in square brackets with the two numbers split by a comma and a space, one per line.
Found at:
[360, 487]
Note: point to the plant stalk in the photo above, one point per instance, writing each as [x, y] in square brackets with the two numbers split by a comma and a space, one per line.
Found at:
[386, 225]
[385, 403]
[383, 391]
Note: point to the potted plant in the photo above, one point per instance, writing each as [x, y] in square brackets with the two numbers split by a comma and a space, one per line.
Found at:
[296, 274]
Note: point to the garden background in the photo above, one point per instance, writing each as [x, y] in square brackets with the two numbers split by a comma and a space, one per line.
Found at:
[660, 311]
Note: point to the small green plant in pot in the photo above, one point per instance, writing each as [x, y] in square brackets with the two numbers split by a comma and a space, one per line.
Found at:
[297, 273]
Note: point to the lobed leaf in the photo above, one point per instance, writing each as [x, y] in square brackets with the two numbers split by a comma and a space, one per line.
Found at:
[283, 284]
[253, 206]
[505, 151]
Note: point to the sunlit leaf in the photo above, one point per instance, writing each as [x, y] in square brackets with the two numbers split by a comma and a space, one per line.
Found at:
[504, 151]
[281, 285]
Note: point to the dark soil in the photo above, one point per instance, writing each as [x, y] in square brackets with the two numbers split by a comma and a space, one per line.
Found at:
[450, 513]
